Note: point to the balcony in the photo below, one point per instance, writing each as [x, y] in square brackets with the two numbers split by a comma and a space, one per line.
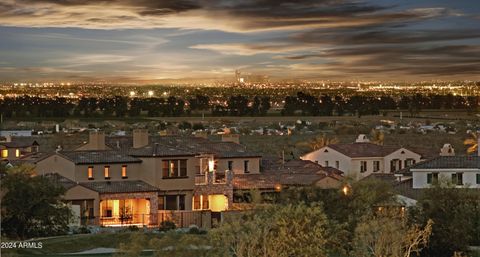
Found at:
[215, 177]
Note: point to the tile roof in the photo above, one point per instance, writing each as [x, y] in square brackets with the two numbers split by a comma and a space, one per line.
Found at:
[426, 153]
[386, 177]
[127, 186]
[363, 149]
[19, 143]
[405, 188]
[300, 166]
[175, 145]
[61, 180]
[158, 150]
[449, 162]
[268, 180]
[31, 158]
[292, 173]
[94, 157]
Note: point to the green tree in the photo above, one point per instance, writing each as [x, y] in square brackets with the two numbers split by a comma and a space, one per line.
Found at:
[344, 211]
[275, 231]
[456, 214]
[32, 205]
[387, 236]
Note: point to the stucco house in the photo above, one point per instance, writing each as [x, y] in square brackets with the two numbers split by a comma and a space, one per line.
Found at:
[142, 179]
[462, 171]
[362, 158]
[140, 176]
[14, 150]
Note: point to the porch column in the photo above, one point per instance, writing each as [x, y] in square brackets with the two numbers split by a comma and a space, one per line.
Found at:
[153, 209]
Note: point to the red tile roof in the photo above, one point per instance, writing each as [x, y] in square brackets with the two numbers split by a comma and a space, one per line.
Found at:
[363, 149]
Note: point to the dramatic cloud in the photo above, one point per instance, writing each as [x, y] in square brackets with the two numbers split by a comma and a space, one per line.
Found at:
[224, 15]
[338, 39]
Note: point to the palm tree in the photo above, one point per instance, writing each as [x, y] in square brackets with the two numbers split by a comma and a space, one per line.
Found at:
[377, 136]
[471, 142]
[318, 142]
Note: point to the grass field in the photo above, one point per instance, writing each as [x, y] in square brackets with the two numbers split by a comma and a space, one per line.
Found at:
[58, 246]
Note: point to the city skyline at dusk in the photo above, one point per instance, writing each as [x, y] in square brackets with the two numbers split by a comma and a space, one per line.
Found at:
[128, 41]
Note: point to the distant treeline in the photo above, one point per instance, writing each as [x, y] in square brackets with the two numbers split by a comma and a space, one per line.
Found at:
[300, 104]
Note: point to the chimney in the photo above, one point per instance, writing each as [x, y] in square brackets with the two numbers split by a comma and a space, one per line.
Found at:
[140, 138]
[96, 140]
[447, 150]
[235, 138]
[362, 138]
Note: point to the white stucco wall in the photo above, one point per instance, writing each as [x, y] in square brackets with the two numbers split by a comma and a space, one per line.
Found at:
[469, 177]
[401, 154]
[320, 156]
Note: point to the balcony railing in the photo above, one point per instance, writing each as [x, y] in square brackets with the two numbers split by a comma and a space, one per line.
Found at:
[118, 220]
[214, 178]
[201, 179]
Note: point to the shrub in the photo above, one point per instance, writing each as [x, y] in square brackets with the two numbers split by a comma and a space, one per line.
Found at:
[167, 225]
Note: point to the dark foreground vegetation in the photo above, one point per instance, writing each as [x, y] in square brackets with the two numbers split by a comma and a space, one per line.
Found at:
[364, 220]
[238, 105]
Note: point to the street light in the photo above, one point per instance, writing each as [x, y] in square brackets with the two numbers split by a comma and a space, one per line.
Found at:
[150, 92]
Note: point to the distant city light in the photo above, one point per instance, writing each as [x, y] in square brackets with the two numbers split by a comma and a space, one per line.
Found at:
[132, 93]
[150, 93]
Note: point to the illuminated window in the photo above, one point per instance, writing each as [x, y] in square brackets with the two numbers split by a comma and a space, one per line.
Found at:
[106, 171]
[4, 153]
[124, 171]
[90, 172]
[197, 202]
[17, 153]
[205, 205]
[174, 168]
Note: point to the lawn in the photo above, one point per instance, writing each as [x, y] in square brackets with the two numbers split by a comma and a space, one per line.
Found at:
[57, 246]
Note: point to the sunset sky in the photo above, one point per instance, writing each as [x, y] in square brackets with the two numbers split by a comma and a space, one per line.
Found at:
[132, 40]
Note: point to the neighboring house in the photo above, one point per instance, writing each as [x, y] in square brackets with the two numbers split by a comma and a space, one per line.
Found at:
[290, 174]
[16, 149]
[16, 133]
[462, 171]
[117, 179]
[363, 158]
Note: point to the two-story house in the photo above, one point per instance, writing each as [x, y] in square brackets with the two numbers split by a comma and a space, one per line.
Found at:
[460, 170]
[362, 158]
[120, 179]
[13, 150]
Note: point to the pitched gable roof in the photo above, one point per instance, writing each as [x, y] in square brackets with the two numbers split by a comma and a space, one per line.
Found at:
[127, 186]
[98, 157]
[449, 162]
[180, 146]
[271, 179]
[356, 150]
